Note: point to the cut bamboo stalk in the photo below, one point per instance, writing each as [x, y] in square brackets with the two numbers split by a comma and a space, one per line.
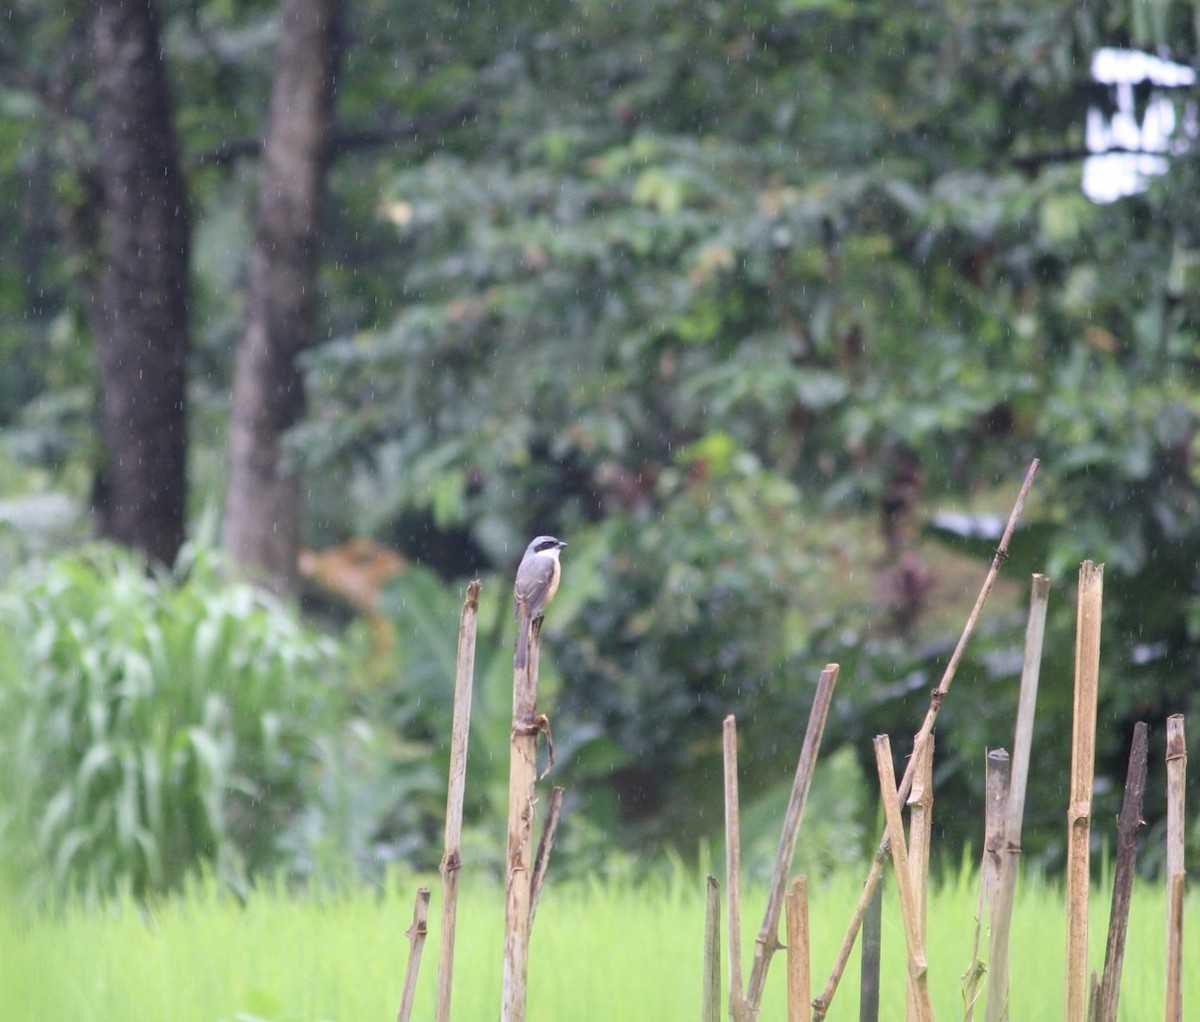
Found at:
[1175, 887]
[995, 819]
[822, 1003]
[416, 941]
[738, 1009]
[917, 967]
[872, 959]
[1176, 785]
[711, 994]
[541, 861]
[1035, 631]
[767, 942]
[1129, 823]
[464, 676]
[799, 975]
[522, 783]
[920, 832]
[1079, 813]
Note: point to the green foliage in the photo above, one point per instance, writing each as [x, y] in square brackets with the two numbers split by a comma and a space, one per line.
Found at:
[151, 724]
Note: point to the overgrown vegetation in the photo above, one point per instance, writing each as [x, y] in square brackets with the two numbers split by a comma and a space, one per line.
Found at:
[152, 725]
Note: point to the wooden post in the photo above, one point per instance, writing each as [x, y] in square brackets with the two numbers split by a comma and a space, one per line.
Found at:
[1176, 787]
[798, 972]
[464, 677]
[1079, 813]
[920, 833]
[710, 1009]
[738, 1009]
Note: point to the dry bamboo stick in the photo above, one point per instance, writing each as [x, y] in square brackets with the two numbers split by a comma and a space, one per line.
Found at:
[1176, 786]
[917, 967]
[871, 960]
[464, 675]
[1035, 631]
[920, 832]
[821, 1004]
[767, 942]
[996, 789]
[1175, 887]
[738, 1008]
[416, 941]
[1128, 824]
[710, 1010]
[541, 861]
[799, 976]
[1079, 813]
[522, 782]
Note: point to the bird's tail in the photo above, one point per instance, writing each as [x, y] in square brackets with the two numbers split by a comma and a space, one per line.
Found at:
[521, 654]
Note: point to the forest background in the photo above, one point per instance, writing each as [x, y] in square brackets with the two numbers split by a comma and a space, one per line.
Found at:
[764, 307]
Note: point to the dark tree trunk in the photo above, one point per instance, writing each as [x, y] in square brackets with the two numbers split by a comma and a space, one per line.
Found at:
[263, 500]
[137, 304]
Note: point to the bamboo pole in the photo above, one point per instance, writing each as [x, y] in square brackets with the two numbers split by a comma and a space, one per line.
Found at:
[1176, 787]
[920, 832]
[1175, 887]
[541, 861]
[996, 790]
[917, 968]
[822, 1003]
[710, 1010]
[1035, 630]
[1129, 823]
[798, 972]
[416, 942]
[767, 942]
[1079, 813]
[522, 782]
[464, 676]
[738, 1008]
[871, 959]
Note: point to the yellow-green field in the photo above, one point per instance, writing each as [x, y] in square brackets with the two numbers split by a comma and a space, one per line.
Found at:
[607, 952]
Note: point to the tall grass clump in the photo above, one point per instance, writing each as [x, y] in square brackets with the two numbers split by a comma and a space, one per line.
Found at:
[152, 723]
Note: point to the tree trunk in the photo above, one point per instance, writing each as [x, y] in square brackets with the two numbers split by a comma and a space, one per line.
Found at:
[263, 499]
[138, 306]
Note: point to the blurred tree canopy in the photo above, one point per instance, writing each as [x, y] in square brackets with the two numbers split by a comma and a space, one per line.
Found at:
[733, 296]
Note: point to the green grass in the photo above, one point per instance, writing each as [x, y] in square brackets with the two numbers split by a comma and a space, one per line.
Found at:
[604, 952]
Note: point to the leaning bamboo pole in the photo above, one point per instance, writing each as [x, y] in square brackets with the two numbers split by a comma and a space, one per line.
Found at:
[1129, 823]
[767, 942]
[875, 873]
[464, 677]
[416, 942]
[918, 970]
[1079, 812]
[920, 835]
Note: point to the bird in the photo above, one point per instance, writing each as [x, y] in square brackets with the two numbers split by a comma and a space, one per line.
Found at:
[537, 581]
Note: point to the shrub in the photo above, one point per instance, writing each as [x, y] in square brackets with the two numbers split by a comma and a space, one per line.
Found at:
[151, 724]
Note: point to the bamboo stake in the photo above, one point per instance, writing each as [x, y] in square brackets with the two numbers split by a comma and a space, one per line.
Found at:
[996, 788]
[1079, 814]
[464, 675]
[416, 941]
[872, 955]
[1035, 631]
[920, 831]
[522, 782]
[798, 972]
[738, 1008]
[711, 994]
[1175, 888]
[1176, 786]
[767, 942]
[1129, 823]
[541, 861]
[821, 1004]
[917, 967]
